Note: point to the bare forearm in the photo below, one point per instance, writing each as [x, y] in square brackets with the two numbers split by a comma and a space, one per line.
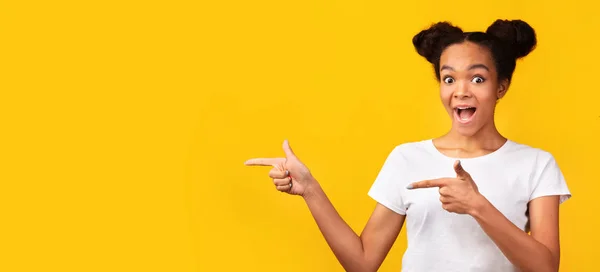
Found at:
[520, 248]
[343, 241]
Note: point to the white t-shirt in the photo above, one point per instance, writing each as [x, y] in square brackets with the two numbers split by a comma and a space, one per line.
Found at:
[439, 240]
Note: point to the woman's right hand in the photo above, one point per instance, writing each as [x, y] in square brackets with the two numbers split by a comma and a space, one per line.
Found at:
[356, 253]
[289, 174]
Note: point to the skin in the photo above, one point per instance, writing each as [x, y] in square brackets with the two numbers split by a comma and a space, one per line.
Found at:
[468, 76]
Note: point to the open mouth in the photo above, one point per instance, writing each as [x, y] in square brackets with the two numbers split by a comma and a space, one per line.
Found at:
[464, 114]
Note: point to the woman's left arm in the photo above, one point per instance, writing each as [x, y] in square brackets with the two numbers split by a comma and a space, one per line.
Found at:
[539, 251]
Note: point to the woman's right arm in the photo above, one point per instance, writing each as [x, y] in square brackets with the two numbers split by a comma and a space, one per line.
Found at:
[355, 253]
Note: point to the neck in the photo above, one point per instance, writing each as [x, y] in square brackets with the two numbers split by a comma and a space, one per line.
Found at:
[487, 138]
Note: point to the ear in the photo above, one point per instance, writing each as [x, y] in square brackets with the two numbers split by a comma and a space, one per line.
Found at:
[502, 88]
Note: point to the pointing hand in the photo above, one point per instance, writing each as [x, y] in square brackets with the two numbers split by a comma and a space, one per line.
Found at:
[458, 195]
[289, 174]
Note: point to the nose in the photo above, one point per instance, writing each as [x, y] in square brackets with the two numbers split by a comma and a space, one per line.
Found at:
[462, 90]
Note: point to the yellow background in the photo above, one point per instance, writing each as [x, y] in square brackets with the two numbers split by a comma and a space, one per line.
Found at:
[125, 124]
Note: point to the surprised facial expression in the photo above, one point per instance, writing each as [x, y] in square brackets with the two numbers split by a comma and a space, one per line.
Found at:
[469, 86]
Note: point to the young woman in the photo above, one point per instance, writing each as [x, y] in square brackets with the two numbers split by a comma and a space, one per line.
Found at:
[472, 200]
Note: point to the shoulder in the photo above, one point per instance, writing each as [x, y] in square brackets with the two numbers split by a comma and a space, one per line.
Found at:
[409, 153]
[531, 153]
[412, 148]
[544, 174]
[540, 165]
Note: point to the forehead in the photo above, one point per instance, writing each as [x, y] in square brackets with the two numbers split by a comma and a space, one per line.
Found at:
[462, 55]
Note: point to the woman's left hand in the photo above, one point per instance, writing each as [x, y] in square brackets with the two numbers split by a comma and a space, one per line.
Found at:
[458, 195]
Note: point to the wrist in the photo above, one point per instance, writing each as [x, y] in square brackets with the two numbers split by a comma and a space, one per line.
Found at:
[480, 204]
[312, 189]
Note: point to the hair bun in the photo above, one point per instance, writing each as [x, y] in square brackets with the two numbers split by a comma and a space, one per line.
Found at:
[428, 41]
[516, 34]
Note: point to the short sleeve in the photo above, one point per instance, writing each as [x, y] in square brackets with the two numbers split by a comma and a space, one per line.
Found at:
[386, 188]
[548, 179]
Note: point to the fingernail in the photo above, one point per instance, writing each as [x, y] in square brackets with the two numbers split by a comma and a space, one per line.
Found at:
[287, 173]
[409, 186]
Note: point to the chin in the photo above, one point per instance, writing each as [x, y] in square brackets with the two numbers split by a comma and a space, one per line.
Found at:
[465, 131]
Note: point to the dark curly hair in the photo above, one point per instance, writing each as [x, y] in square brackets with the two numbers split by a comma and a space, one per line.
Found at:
[507, 40]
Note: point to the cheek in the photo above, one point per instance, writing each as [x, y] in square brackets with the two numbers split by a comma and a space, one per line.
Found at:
[446, 94]
[487, 98]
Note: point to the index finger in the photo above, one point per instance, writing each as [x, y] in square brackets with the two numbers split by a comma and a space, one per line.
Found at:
[263, 162]
[428, 183]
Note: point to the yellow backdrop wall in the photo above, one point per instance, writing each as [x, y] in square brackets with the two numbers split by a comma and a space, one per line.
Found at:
[125, 124]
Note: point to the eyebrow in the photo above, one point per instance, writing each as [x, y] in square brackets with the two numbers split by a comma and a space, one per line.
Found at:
[474, 66]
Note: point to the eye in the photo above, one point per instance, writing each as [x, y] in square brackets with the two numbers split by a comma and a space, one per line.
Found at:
[448, 80]
[478, 79]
